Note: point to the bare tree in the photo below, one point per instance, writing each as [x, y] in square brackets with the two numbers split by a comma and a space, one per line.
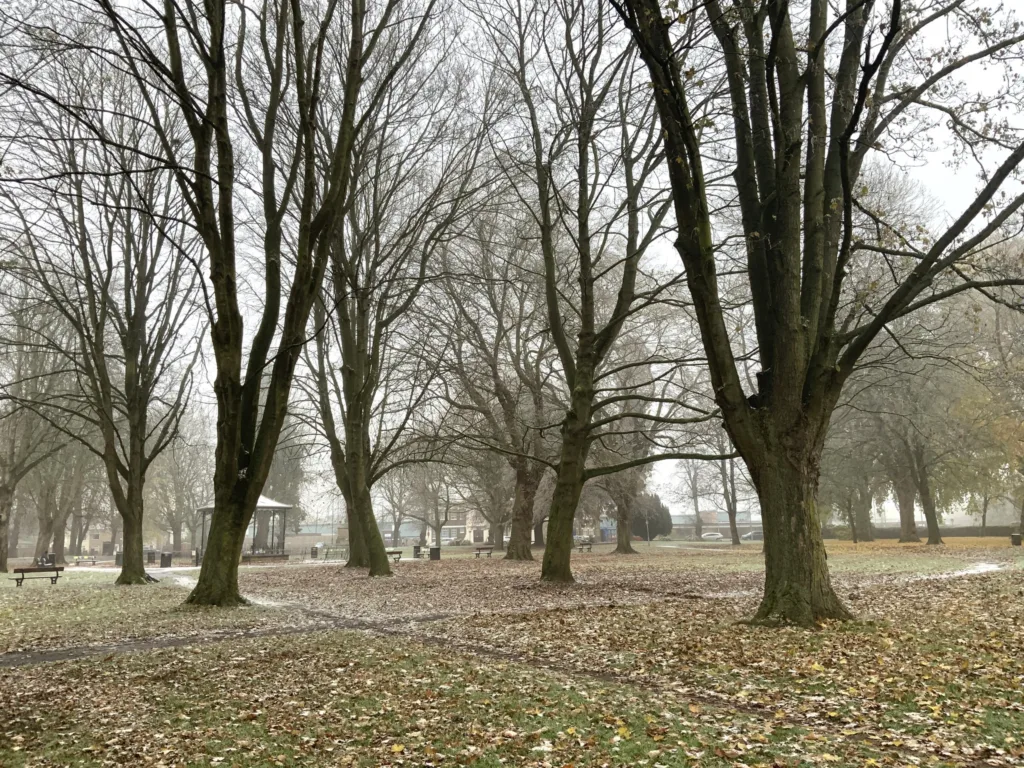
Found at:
[98, 236]
[412, 181]
[806, 118]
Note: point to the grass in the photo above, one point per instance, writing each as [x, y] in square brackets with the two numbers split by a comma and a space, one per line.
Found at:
[474, 663]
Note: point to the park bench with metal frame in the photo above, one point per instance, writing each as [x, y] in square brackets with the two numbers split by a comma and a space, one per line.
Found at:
[20, 574]
[394, 554]
[483, 551]
[580, 545]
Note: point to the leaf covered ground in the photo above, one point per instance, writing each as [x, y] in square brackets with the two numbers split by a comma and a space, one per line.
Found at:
[474, 663]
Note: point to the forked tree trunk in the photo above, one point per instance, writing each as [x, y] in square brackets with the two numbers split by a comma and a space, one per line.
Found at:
[6, 507]
[570, 479]
[623, 534]
[906, 494]
[797, 584]
[527, 482]
[218, 575]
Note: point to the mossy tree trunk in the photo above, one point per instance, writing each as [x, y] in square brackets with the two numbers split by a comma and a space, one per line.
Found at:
[797, 584]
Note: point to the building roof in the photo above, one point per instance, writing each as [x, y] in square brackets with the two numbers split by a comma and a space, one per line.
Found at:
[263, 503]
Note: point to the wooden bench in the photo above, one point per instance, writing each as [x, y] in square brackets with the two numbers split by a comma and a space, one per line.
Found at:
[20, 574]
[394, 554]
[80, 560]
[483, 551]
[585, 546]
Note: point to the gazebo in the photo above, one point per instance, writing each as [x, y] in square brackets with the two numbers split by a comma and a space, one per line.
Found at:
[274, 547]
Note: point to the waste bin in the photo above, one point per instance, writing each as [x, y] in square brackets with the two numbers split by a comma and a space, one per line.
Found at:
[166, 559]
[435, 553]
[1015, 539]
[151, 557]
[314, 552]
[51, 558]
[417, 551]
[119, 559]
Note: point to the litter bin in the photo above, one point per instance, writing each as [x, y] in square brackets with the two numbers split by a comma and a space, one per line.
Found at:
[51, 558]
[435, 553]
[166, 559]
[1015, 539]
[119, 559]
[314, 552]
[417, 551]
[151, 557]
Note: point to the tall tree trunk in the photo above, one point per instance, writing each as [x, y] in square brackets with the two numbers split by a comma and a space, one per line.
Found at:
[729, 492]
[437, 534]
[797, 584]
[924, 490]
[538, 531]
[76, 534]
[527, 482]
[984, 513]
[358, 554]
[623, 532]
[219, 585]
[60, 532]
[176, 537]
[357, 450]
[423, 535]
[906, 494]
[133, 569]
[569, 483]
[6, 508]
[571, 467]
[396, 532]
[44, 535]
[698, 524]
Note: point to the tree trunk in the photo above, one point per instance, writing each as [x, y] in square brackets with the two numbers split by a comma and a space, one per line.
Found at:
[396, 532]
[851, 519]
[357, 451]
[984, 513]
[6, 508]
[15, 534]
[76, 534]
[133, 569]
[924, 490]
[798, 589]
[538, 531]
[527, 482]
[358, 554]
[569, 483]
[497, 534]
[623, 534]
[906, 494]
[698, 525]
[423, 535]
[218, 576]
[862, 513]
[437, 534]
[60, 527]
[176, 537]
[45, 534]
[734, 530]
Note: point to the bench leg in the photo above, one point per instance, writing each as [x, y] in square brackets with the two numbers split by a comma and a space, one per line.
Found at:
[17, 582]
